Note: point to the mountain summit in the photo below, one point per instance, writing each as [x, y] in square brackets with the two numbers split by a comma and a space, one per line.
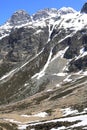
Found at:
[84, 8]
[19, 17]
[66, 10]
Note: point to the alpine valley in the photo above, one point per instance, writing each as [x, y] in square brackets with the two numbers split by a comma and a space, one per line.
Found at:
[43, 70]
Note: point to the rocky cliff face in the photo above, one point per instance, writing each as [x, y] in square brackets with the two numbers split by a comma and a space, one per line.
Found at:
[84, 8]
[19, 17]
[40, 51]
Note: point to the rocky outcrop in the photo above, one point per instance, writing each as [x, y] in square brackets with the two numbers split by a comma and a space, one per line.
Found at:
[84, 8]
[45, 13]
[19, 17]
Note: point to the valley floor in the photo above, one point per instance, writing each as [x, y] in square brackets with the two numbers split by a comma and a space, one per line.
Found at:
[60, 108]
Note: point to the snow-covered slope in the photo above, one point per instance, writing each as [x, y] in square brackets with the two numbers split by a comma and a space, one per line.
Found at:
[66, 10]
[64, 18]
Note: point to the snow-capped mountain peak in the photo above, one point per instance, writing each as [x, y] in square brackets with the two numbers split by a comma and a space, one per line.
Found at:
[45, 13]
[19, 17]
[66, 10]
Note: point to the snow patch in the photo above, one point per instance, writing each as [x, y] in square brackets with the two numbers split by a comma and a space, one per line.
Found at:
[81, 118]
[4, 36]
[49, 90]
[42, 72]
[13, 121]
[31, 59]
[85, 73]
[83, 121]
[26, 84]
[61, 74]
[41, 114]
[59, 128]
[82, 54]
[69, 111]
[60, 54]
[38, 31]
[67, 79]
[81, 50]
[85, 128]
[66, 10]
[50, 30]
[58, 85]
[22, 127]
[8, 74]
[39, 23]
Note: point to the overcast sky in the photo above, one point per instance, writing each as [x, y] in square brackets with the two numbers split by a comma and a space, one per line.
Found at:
[8, 7]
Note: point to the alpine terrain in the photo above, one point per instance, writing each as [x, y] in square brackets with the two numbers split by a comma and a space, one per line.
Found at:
[43, 70]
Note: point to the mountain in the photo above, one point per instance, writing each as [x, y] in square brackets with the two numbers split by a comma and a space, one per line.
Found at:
[43, 70]
[19, 17]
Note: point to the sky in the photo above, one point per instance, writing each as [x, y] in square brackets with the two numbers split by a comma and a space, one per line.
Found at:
[8, 7]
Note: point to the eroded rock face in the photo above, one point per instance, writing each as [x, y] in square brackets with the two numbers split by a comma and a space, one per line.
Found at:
[22, 43]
